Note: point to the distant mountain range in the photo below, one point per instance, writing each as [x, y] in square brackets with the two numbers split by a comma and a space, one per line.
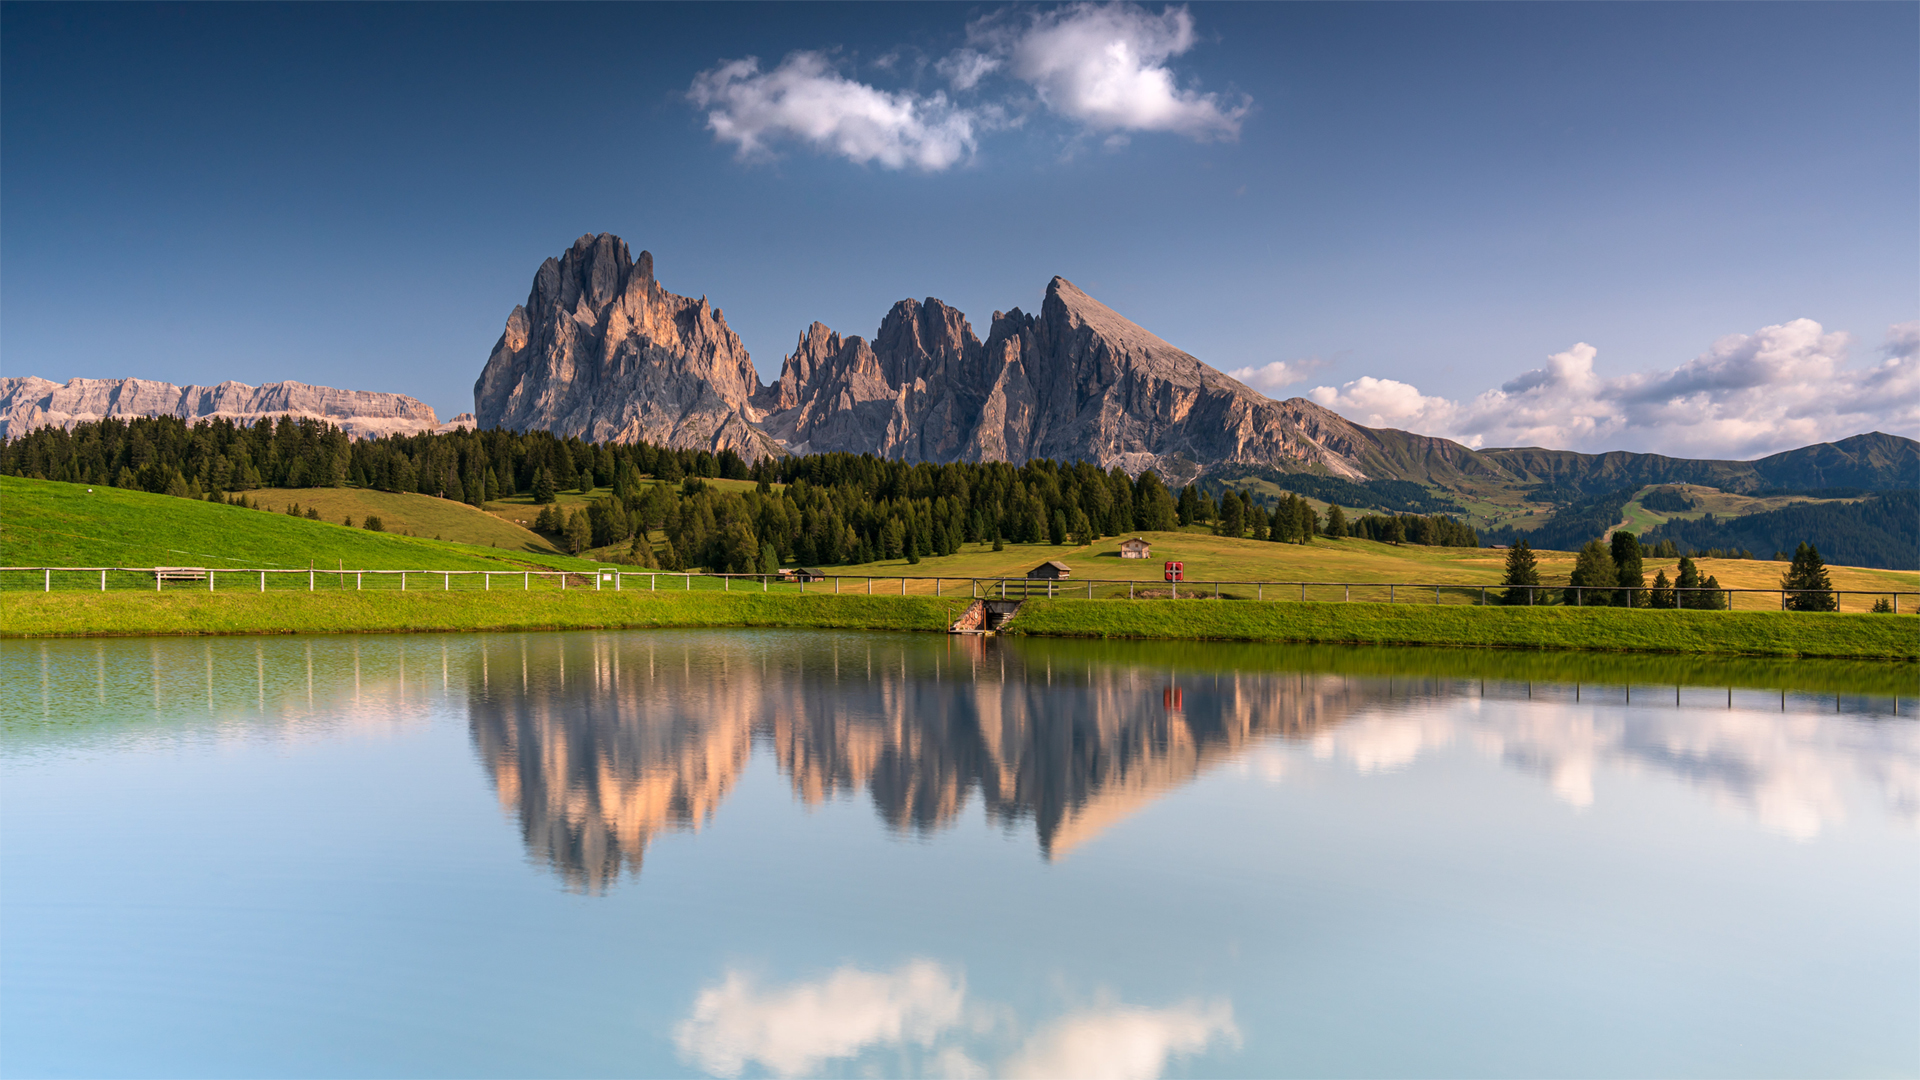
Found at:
[30, 403]
[602, 351]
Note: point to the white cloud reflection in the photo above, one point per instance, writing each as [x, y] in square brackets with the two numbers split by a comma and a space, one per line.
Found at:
[796, 1029]
[1791, 773]
[921, 1008]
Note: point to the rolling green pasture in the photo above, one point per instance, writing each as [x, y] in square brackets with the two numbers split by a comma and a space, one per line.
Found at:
[46, 523]
[1210, 559]
[416, 515]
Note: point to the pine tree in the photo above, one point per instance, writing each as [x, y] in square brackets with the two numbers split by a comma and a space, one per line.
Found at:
[1260, 523]
[1627, 563]
[1808, 583]
[998, 544]
[1336, 523]
[1057, 528]
[1082, 528]
[1686, 586]
[1715, 598]
[542, 487]
[769, 558]
[1305, 521]
[1593, 566]
[1233, 516]
[1661, 595]
[1523, 570]
[579, 533]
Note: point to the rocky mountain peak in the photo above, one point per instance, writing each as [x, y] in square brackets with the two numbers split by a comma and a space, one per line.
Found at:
[601, 350]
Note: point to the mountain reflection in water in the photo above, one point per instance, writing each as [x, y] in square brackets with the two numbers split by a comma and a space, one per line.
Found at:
[600, 742]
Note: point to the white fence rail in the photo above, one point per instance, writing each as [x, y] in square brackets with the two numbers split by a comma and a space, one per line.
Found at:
[619, 579]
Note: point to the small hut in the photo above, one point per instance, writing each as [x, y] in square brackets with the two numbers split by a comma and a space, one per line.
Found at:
[1136, 548]
[1051, 570]
[803, 574]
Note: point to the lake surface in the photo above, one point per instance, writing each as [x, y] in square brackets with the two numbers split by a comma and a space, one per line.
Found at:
[745, 853]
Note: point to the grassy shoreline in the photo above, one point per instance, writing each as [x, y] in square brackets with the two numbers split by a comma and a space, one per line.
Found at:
[1771, 634]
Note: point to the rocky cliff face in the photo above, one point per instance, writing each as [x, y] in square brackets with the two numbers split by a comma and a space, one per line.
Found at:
[29, 403]
[600, 350]
[1076, 381]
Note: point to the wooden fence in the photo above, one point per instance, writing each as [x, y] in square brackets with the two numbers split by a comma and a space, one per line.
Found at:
[619, 579]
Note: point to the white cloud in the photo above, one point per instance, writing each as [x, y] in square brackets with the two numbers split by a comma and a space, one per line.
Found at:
[964, 68]
[1104, 65]
[1280, 373]
[1749, 395]
[1903, 340]
[1121, 1042]
[806, 100]
[797, 1029]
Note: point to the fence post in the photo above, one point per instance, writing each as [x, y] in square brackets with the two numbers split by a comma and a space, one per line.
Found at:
[1436, 596]
[936, 586]
[869, 586]
[49, 580]
[1389, 594]
[1483, 596]
[309, 579]
[1049, 588]
[447, 584]
[563, 581]
[356, 580]
[1348, 599]
[903, 586]
[596, 579]
[103, 580]
[403, 581]
[689, 581]
[726, 583]
[653, 582]
[1303, 592]
[486, 580]
[1129, 590]
[263, 581]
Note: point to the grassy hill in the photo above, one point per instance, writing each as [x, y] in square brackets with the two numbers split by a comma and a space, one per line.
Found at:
[1210, 558]
[414, 515]
[46, 523]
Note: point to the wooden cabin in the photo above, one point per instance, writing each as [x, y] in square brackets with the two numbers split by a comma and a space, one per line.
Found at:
[1136, 548]
[803, 574]
[1051, 570]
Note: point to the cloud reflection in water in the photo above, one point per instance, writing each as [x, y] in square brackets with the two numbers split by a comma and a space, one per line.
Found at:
[921, 1009]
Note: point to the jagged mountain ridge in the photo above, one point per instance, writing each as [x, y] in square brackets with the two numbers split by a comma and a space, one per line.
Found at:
[603, 352]
[28, 403]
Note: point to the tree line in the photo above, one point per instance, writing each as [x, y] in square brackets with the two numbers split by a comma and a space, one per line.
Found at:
[1611, 575]
[828, 508]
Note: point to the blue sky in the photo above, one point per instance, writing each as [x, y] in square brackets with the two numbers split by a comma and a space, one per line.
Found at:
[1688, 228]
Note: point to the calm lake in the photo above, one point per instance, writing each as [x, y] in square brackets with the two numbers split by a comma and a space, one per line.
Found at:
[752, 853]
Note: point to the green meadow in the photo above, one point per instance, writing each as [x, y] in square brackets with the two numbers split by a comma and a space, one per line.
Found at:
[46, 523]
